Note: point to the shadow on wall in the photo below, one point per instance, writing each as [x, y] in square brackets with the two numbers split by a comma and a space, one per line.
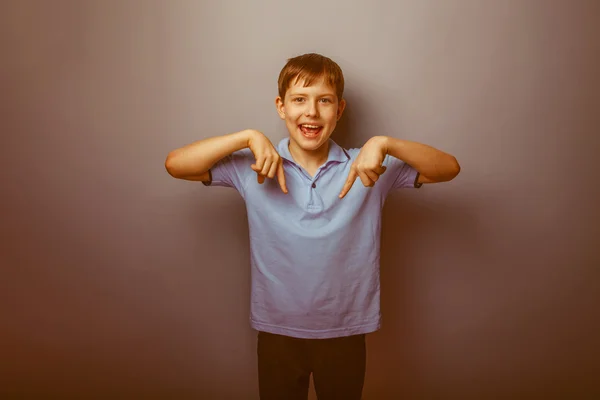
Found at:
[399, 351]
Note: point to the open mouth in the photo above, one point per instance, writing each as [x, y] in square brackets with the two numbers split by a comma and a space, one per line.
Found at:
[310, 131]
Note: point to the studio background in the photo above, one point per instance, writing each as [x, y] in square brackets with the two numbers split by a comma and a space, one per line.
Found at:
[118, 281]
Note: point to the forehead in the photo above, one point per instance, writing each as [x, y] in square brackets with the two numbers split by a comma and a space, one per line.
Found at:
[319, 85]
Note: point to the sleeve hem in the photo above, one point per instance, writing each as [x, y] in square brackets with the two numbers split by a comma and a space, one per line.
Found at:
[416, 183]
[209, 182]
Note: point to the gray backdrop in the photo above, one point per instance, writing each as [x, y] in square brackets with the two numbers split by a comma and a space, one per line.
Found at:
[119, 281]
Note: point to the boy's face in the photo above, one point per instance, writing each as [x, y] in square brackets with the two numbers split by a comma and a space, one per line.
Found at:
[310, 113]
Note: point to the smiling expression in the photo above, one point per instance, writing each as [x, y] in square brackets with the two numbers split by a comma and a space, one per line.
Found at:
[310, 114]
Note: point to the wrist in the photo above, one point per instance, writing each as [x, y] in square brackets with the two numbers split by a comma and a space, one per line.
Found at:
[382, 142]
[248, 135]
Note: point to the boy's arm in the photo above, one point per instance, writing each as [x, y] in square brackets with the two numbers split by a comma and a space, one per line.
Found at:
[432, 164]
[193, 162]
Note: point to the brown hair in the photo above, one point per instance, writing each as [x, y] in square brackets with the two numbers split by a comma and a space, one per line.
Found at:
[309, 67]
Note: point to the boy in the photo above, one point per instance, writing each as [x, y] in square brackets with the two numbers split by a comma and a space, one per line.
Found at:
[314, 231]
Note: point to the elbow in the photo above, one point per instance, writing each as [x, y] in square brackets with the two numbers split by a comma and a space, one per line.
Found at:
[450, 171]
[171, 165]
[454, 169]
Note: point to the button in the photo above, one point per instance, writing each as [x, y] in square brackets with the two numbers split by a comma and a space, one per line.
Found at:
[314, 185]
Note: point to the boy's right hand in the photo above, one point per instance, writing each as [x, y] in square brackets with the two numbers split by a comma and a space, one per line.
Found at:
[268, 161]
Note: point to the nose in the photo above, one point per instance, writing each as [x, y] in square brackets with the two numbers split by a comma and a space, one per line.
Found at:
[311, 109]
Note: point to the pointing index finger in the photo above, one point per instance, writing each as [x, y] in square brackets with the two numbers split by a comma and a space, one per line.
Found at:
[281, 177]
[349, 182]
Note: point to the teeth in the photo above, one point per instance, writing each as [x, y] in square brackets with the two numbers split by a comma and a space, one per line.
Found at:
[311, 126]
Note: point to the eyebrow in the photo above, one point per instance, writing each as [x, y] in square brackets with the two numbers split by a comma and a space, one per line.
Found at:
[304, 94]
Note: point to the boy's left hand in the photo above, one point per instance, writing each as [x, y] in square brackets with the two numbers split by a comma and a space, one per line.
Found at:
[367, 165]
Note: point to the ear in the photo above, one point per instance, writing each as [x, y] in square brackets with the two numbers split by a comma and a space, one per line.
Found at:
[341, 108]
[280, 107]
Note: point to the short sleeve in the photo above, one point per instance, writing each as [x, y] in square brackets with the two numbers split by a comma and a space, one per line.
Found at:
[401, 174]
[232, 171]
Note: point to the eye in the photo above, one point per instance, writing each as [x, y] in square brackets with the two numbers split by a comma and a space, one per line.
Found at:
[326, 100]
[298, 99]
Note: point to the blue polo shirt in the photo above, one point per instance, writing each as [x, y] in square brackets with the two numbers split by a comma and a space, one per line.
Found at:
[314, 257]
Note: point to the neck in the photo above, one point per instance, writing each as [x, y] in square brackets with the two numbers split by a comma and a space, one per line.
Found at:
[309, 160]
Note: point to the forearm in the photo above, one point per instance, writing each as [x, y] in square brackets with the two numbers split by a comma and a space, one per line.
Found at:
[198, 157]
[430, 162]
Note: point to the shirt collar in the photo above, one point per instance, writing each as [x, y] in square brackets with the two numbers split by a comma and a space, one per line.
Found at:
[336, 153]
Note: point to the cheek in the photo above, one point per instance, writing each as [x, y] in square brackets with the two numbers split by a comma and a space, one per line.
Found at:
[291, 122]
[292, 115]
[332, 115]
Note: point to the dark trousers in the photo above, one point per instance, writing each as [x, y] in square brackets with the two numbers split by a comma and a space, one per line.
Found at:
[285, 364]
